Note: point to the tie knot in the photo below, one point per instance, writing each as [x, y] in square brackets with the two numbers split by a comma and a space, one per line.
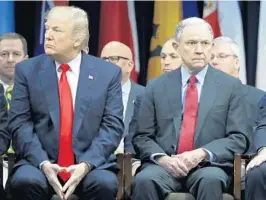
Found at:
[192, 80]
[64, 67]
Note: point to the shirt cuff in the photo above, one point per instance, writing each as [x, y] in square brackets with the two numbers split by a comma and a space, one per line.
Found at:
[211, 156]
[155, 156]
[43, 162]
[260, 149]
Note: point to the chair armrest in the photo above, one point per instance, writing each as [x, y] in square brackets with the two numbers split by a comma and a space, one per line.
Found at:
[128, 174]
[120, 176]
[239, 159]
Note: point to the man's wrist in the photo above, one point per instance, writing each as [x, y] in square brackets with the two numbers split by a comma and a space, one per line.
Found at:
[203, 154]
[87, 166]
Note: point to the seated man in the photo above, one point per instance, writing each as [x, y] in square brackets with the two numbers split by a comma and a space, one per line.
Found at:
[256, 169]
[191, 123]
[170, 60]
[226, 57]
[121, 55]
[66, 116]
[5, 137]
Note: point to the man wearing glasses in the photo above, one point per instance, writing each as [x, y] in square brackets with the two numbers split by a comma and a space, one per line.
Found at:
[121, 55]
[226, 57]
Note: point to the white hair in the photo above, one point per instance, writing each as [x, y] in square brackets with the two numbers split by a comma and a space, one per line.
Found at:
[189, 22]
[80, 21]
[226, 40]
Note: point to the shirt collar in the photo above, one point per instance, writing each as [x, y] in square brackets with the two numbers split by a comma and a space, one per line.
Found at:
[200, 76]
[5, 85]
[126, 87]
[73, 64]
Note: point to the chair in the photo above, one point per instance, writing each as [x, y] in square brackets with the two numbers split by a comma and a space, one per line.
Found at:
[187, 196]
[123, 161]
[239, 161]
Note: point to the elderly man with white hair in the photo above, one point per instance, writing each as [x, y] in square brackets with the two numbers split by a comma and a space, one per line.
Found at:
[226, 57]
[191, 122]
[66, 116]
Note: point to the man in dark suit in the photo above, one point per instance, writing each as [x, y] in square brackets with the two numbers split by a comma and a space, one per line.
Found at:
[65, 116]
[191, 123]
[256, 169]
[121, 55]
[226, 57]
[4, 134]
[170, 60]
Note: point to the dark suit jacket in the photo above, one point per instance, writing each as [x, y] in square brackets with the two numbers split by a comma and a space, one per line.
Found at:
[134, 92]
[133, 126]
[252, 97]
[260, 132]
[4, 134]
[35, 119]
[221, 125]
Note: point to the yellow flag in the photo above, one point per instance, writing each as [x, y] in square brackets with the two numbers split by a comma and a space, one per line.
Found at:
[167, 14]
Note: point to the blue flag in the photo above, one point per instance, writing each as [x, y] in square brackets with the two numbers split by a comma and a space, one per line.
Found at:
[190, 9]
[7, 21]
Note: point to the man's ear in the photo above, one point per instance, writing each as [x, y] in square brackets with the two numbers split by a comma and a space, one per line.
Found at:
[175, 45]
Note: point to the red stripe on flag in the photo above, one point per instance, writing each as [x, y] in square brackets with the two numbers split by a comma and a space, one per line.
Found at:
[115, 26]
[61, 3]
[212, 19]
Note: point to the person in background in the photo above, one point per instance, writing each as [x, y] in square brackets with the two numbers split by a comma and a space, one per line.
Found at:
[170, 58]
[121, 55]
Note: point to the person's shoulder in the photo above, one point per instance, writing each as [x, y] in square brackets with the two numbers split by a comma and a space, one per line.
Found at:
[31, 63]
[101, 65]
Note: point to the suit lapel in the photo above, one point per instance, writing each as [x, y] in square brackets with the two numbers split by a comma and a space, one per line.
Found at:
[87, 77]
[173, 90]
[207, 97]
[49, 82]
[129, 108]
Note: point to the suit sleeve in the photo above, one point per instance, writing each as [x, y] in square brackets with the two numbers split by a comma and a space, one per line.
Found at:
[260, 133]
[111, 128]
[132, 127]
[237, 129]
[24, 138]
[144, 138]
[4, 134]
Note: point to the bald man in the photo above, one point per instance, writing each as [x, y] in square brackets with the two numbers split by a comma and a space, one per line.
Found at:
[170, 59]
[121, 55]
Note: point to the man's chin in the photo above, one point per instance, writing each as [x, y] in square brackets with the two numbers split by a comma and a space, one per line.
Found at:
[49, 51]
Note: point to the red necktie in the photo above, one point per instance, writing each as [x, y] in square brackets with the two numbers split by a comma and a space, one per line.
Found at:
[65, 155]
[186, 138]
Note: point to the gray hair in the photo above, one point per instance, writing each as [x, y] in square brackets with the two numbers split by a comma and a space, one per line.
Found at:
[15, 36]
[80, 21]
[188, 22]
[234, 46]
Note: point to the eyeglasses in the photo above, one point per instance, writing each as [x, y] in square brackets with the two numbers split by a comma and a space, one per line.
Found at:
[222, 56]
[114, 59]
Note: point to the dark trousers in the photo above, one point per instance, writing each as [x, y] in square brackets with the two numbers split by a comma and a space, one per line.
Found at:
[255, 188]
[29, 183]
[155, 183]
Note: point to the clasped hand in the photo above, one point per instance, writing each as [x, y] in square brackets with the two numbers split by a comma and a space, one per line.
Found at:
[77, 172]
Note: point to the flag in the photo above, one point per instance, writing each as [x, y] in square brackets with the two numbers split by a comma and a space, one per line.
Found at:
[7, 20]
[190, 9]
[261, 56]
[167, 14]
[230, 22]
[45, 7]
[210, 14]
[118, 23]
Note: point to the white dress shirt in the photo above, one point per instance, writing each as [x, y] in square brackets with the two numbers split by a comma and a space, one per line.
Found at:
[126, 87]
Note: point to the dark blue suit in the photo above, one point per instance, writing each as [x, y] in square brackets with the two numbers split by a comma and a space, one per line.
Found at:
[256, 177]
[35, 122]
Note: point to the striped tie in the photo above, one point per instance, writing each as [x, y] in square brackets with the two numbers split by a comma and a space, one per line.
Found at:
[8, 96]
